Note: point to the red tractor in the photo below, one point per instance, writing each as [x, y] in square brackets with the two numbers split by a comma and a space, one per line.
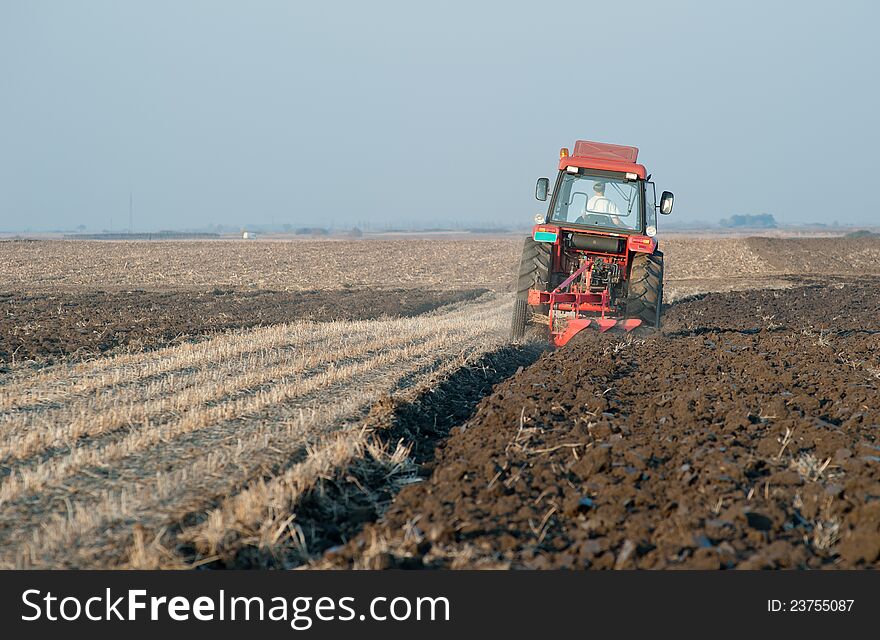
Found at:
[593, 258]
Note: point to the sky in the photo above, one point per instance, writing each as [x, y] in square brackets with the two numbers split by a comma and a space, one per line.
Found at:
[408, 113]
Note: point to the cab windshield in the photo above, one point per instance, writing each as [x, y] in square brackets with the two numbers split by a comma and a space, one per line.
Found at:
[598, 201]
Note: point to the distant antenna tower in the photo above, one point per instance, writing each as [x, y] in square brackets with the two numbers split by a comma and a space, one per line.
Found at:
[130, 212]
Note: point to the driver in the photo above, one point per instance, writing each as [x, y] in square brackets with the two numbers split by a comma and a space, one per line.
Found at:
[600, 204]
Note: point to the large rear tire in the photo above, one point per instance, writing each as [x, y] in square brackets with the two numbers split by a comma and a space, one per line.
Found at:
[534, 273]
[644, 298]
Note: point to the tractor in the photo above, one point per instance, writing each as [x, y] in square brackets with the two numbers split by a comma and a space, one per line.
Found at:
[592, 259]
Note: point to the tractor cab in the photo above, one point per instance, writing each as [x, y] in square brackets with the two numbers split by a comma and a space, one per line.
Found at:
[600, 189]
[601, 200]
[593, 257]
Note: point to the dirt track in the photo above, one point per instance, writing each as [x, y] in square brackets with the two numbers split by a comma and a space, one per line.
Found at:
[745, 434]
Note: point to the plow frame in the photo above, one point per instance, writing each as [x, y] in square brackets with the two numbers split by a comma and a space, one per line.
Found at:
[566, 307]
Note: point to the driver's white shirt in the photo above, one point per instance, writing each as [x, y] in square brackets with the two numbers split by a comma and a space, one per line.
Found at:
[601, 204]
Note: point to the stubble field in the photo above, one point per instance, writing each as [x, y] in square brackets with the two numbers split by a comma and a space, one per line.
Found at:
[279, 404]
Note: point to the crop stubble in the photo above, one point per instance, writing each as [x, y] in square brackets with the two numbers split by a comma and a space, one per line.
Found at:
[90, 450]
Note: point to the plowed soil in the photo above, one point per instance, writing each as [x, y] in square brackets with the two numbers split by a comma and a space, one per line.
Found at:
[52, 326]
[744, 434]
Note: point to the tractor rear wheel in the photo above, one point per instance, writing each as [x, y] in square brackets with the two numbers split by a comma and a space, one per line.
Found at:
[534, 273]
[644, 298]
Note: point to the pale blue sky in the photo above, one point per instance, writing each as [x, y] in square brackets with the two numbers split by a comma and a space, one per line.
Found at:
[301, 112]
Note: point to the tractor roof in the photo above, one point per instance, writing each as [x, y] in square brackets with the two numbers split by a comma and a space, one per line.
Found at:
[604, 156]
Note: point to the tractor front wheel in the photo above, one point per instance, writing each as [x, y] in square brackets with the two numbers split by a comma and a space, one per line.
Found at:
[644, 298]
[534, 273]
[520, 319]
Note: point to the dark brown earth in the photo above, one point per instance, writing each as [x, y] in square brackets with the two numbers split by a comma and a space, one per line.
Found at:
[51, 326]
[817, 255]
[744, 434]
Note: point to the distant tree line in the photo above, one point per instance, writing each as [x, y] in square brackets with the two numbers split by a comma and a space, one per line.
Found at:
[749, 221]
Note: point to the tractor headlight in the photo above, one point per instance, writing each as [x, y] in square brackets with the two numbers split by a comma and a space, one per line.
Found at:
[539, 219]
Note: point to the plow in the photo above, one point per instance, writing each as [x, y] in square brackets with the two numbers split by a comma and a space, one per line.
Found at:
[593, 259]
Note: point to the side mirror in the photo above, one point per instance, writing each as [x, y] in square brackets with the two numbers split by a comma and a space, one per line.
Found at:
[666, 202]
[542, 188]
